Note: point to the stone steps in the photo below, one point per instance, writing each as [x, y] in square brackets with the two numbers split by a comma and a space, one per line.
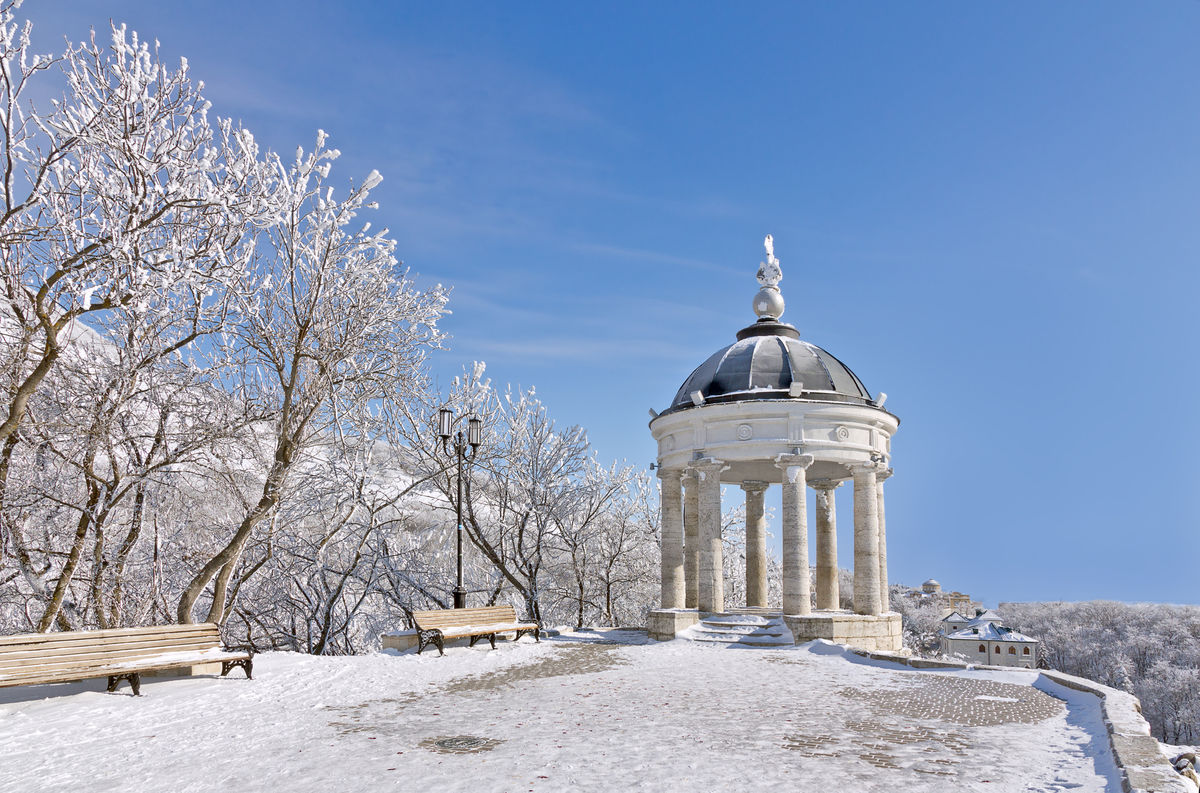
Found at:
[741, 629]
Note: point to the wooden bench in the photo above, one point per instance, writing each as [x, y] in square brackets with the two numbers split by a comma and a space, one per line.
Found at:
[119, 654]
[437, 626]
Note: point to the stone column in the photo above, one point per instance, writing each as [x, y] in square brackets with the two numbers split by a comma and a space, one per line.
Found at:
[885, 600]
[797, 591]
[756, 544]
[671, 501]
[691, 539]
[711, 589]
[828, 595]
[866, 540]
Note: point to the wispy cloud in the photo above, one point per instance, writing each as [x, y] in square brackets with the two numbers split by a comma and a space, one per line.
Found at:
[640, 254]
[559, 348]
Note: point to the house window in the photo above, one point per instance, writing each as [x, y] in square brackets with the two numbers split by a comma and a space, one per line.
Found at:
[1012, 650]
[982, 649]
[998, 649]
[1024, 651]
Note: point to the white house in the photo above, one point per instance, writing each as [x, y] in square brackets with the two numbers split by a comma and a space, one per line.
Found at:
[953, 622]
[985, 640]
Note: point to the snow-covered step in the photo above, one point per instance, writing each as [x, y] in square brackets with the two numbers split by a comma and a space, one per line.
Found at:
[755, 641]
[740, 619]
[741, 629]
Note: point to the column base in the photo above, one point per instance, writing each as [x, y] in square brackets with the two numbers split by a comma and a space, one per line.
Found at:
[867, 632]
[664, 624]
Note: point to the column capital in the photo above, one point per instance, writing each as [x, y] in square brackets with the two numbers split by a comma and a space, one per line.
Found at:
[755, 486]
[863, 469]
[884, 473]
[825, 484]
[792, 465]
[708, 466]
[669, 473]
[793, 460]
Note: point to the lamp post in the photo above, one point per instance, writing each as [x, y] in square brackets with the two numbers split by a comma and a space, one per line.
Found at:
[474, 439]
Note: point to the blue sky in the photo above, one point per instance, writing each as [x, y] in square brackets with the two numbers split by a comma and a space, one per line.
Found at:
[989, 211]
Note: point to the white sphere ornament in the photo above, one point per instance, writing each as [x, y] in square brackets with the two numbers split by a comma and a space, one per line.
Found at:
[768, 303]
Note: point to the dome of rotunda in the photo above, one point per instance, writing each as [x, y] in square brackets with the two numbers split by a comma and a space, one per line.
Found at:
[765, 362]
[769, 360]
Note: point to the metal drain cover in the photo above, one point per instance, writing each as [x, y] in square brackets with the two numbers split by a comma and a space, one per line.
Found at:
[460, 744]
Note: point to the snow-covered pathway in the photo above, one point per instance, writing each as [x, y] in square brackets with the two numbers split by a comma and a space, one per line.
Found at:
[567, 714]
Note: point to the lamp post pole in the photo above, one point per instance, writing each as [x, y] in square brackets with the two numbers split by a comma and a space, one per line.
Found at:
[473, 440]
[460, 594]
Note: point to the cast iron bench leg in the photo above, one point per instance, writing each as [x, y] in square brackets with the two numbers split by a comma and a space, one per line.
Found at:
[246, 664]
[424, 637]
[135, 682]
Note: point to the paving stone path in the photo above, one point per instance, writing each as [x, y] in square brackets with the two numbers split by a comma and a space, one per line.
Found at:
[581, 711]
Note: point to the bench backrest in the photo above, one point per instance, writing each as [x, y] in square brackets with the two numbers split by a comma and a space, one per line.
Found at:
[36, 656]
[455, 618]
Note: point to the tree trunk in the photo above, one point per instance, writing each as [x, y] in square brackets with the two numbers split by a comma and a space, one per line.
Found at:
[54, 606]
[224, 562]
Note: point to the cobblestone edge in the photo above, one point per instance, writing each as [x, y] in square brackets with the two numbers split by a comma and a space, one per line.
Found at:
[1136, 753]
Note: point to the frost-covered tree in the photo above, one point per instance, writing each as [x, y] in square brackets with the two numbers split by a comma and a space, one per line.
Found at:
[581, 515]
[127, 214]
[111, 422]
[545, 522]
[1151, 650]
[626, 557]
[120, 194]
[334, 326]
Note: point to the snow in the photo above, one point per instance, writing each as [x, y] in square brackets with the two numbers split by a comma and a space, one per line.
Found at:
[597, 710]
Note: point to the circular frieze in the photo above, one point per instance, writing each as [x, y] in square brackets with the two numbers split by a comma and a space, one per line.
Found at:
[745, 432]
[843, 433]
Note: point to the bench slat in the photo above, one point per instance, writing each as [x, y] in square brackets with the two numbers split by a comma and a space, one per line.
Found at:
[483, 630]
[115, 634]
[112, 646]
[83, 655]
[89, 668]
[465, 616]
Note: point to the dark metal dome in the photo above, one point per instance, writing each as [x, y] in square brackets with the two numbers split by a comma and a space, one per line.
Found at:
[765, 362]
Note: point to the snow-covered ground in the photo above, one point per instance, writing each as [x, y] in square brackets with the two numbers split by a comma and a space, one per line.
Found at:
[579, 712]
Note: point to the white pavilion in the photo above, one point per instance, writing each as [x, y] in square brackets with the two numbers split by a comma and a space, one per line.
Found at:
[772, 409]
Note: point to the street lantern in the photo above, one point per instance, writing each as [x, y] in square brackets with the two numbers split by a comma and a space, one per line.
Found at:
[461, 445]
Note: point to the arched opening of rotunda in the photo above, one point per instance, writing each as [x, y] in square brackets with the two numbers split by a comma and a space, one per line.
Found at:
[774, 410]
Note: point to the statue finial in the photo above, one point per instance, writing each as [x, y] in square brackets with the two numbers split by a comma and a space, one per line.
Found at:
[768, 303]
[769, 274]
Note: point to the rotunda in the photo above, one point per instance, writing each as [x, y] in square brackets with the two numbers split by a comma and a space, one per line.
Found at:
[773, 409]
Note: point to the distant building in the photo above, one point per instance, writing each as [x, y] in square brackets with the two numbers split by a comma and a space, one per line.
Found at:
[985, 640]
[931, 594]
